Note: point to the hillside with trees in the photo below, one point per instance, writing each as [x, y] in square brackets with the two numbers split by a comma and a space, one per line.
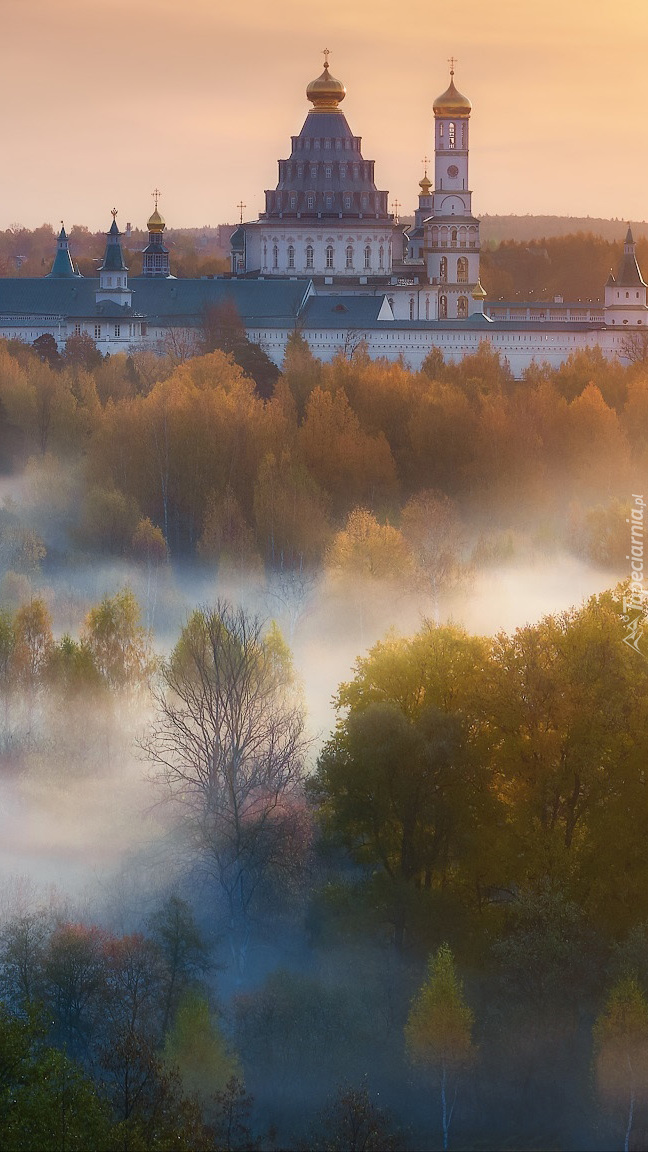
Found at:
[226, 925]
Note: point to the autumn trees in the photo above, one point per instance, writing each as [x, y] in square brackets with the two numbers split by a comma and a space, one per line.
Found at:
[438, 1031]
[239, 478]
[496, 763]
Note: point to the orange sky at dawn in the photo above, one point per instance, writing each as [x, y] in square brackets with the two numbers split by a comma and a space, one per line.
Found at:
[104, 99]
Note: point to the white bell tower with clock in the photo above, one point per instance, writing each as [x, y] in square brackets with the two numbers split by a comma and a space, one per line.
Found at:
[452, 232]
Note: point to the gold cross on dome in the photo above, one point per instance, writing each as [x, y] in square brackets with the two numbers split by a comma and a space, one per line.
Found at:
[156, 196]
[396, 206]
[326, 56]
[240, 207]
[425, 161]
[452, 61]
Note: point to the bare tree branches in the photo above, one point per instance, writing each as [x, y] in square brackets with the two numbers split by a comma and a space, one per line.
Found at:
[229, 744]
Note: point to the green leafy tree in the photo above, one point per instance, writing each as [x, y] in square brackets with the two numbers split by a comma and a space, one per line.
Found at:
[182, 949]
[438, 1031]
[46, 1101]
[196, 1046]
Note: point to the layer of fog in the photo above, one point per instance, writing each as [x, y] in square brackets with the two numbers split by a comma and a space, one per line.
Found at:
[87, 833]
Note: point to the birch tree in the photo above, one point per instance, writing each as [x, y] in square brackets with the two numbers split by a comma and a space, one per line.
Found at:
[438, 1031]
[621, 1053]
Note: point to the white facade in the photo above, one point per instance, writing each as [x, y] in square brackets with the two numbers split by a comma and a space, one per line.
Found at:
[295, 248]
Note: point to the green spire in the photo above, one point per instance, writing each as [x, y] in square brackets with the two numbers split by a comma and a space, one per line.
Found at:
[113, 257]
[63, 265]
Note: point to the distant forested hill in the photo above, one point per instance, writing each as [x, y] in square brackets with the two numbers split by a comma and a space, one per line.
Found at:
[574, 266]
[495, 229]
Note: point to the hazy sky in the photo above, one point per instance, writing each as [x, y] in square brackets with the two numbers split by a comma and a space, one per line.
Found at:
[105, 99]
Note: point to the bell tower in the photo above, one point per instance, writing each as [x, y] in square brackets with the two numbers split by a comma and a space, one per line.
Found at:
[155, 257]
[452, 232]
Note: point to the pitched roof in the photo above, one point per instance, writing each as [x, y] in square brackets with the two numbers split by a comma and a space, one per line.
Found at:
[629, 274]
[256, 301]
[348, 311]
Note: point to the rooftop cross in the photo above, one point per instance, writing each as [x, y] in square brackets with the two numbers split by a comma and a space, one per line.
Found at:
[327, 53]
[113, 212]
[452, 61]
[425, 161]
[396, 206]
[240, 207]
[156, 196]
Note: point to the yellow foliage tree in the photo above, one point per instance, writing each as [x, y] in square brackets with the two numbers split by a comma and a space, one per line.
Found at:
[621, 1052]
[438, 1032]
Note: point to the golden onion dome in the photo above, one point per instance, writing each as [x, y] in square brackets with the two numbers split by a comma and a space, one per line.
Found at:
[326, 92]
[452, 103]
[156, 223]
[478, 292]
[425, 184]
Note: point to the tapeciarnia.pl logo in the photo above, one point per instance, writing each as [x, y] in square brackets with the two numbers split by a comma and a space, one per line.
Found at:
[635, 604]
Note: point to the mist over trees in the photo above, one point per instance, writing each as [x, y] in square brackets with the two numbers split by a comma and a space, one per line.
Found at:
[424, 925]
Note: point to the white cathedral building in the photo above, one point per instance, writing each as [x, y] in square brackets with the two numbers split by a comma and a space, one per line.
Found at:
[327, 257]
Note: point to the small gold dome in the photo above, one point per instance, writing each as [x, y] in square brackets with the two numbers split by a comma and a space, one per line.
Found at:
[478, 291]
[326, 92]
[425, 184]
[452, 103]
[156, 223]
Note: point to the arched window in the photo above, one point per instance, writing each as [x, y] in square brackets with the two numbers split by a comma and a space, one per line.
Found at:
[328, 171]
[310, 200]
[443, 269]
[309, 255]
[451, 134]
[462, 270]
[453, 236]
[329, 256]
[367, 256]
[462, 307]
[427, 307]
[349, 256]
[291, 256]
[443, 307]
[411, 307]
[275, 256]
[293, 201]
[265, 255]
[381, 257]
[347, 202]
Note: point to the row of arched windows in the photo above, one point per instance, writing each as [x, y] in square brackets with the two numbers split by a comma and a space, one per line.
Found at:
[462, 270]
[462, 307]
[310, 200]
[462, 237]
[329, 255]
[362, 170]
